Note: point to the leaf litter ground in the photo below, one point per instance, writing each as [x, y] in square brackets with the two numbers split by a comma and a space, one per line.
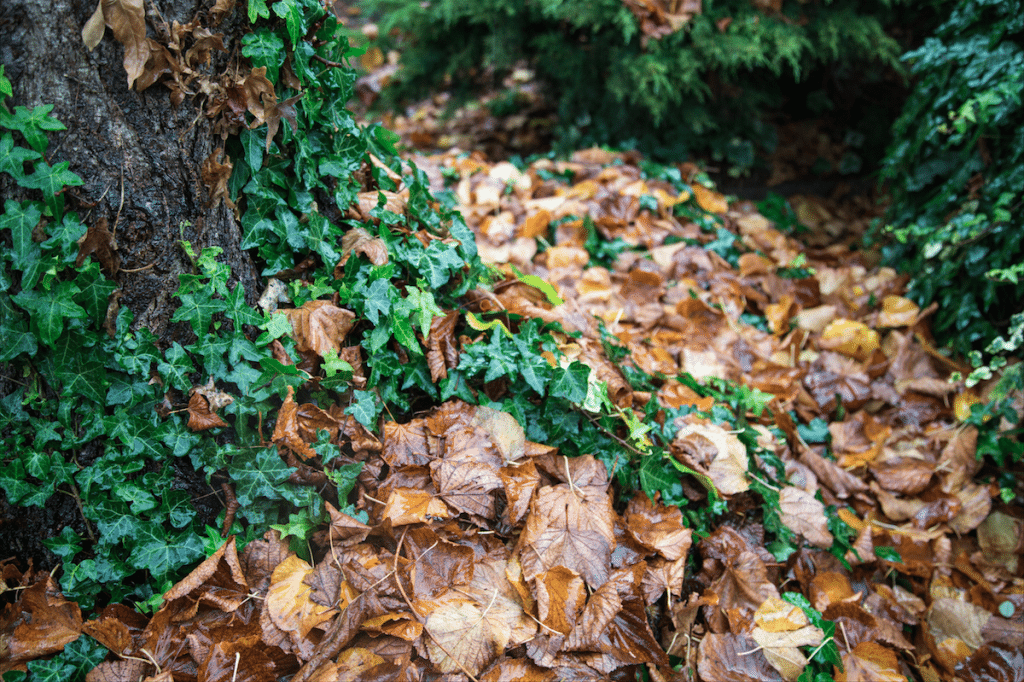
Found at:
[485, 556]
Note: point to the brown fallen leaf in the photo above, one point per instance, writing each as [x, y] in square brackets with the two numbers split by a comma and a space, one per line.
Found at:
[872, 662]
[569, 526]
[802, 513]
[39, 622]
[319, 326]
[99, 242]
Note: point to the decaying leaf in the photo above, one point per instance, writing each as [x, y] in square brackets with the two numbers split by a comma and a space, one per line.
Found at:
[805, 516]
[38, 623]
[319, 326]
[98, 241]
[569, 526]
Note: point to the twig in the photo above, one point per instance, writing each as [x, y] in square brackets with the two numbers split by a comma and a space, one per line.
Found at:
[144, 267]
[328, 62]
[608, 433]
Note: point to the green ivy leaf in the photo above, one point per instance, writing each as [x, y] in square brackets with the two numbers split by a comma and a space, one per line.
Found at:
[15, 338]
[264, 47]
[13, 158]
[571, 383]
[198, 310]
[888, 554]
[66, 545]
[438, 262]
[377, 300]
[51, 180]
[159, 553]
[258, 9]
[366, 408]
[257, 474]
[48, 311]
[114, 520]
[21, 219]
[424, 309]
[79, 371]
[32, 124]
[291, 12]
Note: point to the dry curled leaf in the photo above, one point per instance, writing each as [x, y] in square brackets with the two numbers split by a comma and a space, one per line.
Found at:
[319, 326]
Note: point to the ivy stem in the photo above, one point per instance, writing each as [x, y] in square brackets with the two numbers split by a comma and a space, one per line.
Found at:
[608, 433]
[81, 510]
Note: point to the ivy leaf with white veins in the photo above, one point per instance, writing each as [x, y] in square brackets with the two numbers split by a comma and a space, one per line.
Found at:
[366, 408]
[160, 554]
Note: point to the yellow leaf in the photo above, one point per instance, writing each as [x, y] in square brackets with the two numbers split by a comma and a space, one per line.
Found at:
[898, 311]
[709, 200]
[854, 339]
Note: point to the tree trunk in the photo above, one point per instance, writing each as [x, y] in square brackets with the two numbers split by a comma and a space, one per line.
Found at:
[140, 157]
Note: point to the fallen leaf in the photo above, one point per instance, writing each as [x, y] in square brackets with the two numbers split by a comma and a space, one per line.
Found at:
[734, 658]
[319, 326]
[289, 599]
[805, 515]
[39, 622]
[569, 526]
[98, 241]
[870, 662]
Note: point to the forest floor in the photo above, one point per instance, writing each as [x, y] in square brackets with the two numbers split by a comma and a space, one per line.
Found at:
[901, 551]
[780, 296]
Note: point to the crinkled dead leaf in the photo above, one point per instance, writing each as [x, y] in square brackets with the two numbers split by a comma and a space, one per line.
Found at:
[319, 326]
[289, 599]
[442, 346]
[710, 449]
[658, 527]
[92, 32]
[1001, 540]
[520, 482]
[870, 661]
[462, 638]
[219, 581]
[408, 505]
[993, 662]
[614, 621]
[99, 242]
[805, 515]
[898, 311]
[505, 432]
[127, 20]
[38, 623]
[215, 174]
[738, 578]
[286, 429]
[200, 416]
[572, 526]
[709, 200]
[561, 595]
[734, 658]
[780, 629]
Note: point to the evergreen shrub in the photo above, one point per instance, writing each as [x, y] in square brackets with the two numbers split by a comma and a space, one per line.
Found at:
[954, 172]
[670, 78]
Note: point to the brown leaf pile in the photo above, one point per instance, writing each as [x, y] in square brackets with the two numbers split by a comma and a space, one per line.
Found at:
[486, 557]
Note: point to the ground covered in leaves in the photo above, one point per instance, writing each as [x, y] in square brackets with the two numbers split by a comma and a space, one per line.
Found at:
[861, 540]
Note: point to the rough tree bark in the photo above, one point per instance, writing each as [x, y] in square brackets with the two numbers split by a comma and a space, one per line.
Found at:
[140, 157]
